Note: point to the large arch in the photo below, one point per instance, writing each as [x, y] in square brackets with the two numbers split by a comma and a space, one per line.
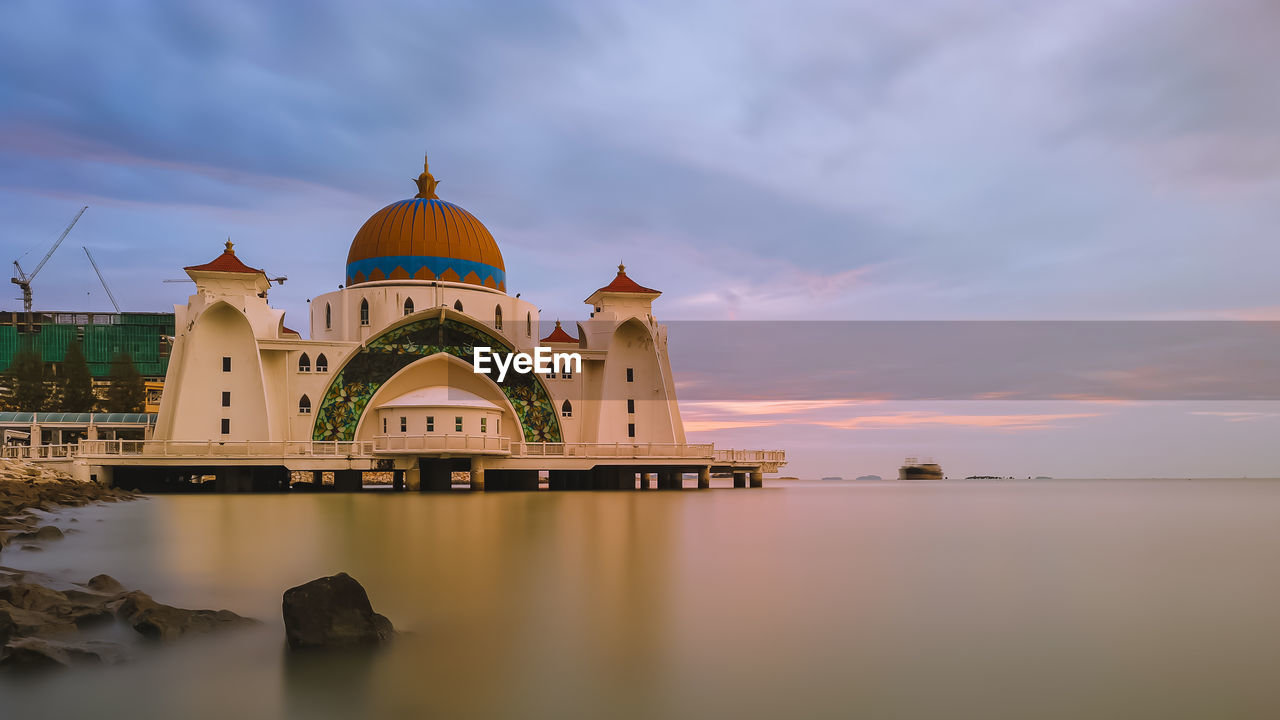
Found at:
[387, 353]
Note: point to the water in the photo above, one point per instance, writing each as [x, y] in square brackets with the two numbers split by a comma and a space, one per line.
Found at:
[1046, 599]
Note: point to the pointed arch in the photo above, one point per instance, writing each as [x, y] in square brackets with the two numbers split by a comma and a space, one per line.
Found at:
[304, 405]
[322, 363]
[566, 409]
[457, 305]
[497, 317]
[364, 311]
[328, 317]
[528, 324]
[408, 306]
[304, 363]
[362, 373]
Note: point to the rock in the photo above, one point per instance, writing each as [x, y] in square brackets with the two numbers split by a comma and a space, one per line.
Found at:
[157, 621]
[332, 611]
[44, 532]
[59, 608]
[31, 654]
[29, 596]
[105, 584]
[22, 623]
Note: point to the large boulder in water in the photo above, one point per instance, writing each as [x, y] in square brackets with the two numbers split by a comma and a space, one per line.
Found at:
[332, 611]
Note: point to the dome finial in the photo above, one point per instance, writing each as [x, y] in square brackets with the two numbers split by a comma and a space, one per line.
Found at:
[426, 182]
[622, 269]
[230, 246]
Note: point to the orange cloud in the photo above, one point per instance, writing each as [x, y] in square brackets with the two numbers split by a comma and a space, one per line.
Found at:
[1237, 416]
[694, 426]
[923, 419]
[769, 407]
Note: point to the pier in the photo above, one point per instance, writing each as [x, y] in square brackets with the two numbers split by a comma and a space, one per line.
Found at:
[424, 464]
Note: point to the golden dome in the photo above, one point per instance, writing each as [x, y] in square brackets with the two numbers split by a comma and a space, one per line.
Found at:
[425, 238]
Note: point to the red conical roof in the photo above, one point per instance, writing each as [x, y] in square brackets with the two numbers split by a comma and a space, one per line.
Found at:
[622, 283]
[226, 262]
[559, 336]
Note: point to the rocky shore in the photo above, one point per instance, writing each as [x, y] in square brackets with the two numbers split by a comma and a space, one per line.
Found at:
[43, 627]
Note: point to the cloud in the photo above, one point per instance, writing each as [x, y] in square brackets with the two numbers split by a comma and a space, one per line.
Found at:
[1237, 416]
[924, 419]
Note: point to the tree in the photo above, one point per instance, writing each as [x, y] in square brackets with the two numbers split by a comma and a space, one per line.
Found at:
[127, 391]
[29, 391]
[77, 382]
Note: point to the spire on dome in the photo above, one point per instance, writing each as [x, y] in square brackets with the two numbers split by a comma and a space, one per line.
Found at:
[426, 182]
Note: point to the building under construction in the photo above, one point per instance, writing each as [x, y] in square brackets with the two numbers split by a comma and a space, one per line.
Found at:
[103, 336]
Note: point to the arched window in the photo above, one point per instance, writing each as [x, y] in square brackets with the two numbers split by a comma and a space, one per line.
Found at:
[457, 305]
[328, 317]
[497, 317]
[566, 410]
[304, 363]
[322, 363]
[408, 306]
[304, 406]
[528, 324]
[364, 312]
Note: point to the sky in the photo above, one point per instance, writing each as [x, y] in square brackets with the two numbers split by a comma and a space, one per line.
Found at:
[756, 161]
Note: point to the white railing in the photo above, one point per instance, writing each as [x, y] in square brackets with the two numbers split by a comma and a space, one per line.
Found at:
[38, 452]
[751, 456]
[390, 444]
[441, 443]
[227, 448]
[613, 450]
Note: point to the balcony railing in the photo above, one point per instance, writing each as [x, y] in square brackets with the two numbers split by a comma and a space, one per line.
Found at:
[614, 450]
[228, 448]
[38, 452]
[751, 456]
[441, 443]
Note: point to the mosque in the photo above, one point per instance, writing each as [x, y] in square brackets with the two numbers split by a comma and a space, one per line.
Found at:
[386, 381]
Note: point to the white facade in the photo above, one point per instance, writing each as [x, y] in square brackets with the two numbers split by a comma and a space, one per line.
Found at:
[237, 374]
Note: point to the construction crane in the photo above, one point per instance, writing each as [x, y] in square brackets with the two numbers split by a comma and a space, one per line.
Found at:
[23, 280]
[101, 279]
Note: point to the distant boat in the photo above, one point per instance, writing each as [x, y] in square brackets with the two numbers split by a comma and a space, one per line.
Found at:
[833, 477]
[870, 477]
[914, 469]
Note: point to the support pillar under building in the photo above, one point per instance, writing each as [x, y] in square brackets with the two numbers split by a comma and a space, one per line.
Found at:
[757, 479]
[704, 478]
[645, 480]
[477, 474]
[348, 480]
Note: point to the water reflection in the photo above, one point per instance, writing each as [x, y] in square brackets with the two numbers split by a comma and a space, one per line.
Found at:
[1059, 599]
